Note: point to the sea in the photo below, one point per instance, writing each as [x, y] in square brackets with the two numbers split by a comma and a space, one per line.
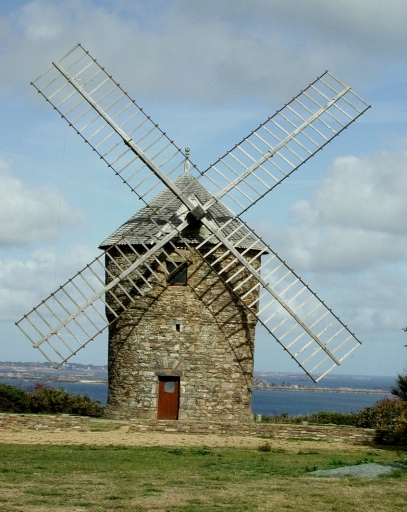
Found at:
[278, 401]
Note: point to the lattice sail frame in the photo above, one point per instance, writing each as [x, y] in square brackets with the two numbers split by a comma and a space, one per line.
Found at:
[72, 316]
[285, 141]
[105, 116]
[289, 310]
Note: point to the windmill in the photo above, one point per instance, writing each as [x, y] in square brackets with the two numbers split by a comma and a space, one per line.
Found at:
[181, 285]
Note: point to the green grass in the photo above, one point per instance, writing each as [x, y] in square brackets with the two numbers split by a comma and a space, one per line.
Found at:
[98, 478]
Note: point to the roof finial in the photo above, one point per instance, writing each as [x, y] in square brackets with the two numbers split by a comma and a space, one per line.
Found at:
[186, 164]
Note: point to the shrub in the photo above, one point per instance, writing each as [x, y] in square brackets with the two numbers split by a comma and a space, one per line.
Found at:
[316, 418]
[12, 399]
[332, 418]
[399, 433]
[44, 399]
[47, 400]
[389, 418]
[383, 414]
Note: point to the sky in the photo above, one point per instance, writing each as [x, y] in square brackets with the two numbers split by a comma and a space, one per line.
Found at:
[209, 73]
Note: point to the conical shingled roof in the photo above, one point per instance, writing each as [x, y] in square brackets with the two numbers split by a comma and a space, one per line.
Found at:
[166, 210]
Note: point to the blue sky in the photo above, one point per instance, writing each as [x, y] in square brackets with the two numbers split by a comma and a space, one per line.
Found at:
[208, 73]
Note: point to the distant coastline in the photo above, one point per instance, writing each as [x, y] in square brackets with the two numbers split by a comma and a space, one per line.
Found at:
[44, 372]
[261, 384]
[97, 374]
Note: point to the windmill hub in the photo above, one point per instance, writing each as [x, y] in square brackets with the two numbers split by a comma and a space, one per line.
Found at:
[198, 212]
[180, 286]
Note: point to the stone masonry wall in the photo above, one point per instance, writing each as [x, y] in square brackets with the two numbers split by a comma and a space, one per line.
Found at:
[44, 422]
[198, 332]
[267, 430]
[51, 423]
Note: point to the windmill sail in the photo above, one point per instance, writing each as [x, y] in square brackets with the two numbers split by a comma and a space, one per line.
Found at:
[290, 311]
[303, 325]
[74, 314]
[81, 309]
[104, 115]
[279, 146]
[148, 162]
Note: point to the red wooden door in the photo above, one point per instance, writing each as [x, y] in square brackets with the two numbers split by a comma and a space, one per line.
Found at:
[168, 398]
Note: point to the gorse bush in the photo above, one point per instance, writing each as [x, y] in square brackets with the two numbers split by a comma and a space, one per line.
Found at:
[47, 400]
[388, 416]
[383, 414]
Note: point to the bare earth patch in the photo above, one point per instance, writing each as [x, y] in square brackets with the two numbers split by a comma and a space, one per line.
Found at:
[121, 437]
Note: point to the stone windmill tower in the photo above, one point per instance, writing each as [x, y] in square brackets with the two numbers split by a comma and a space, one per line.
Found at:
[185, 348]
[181, 285]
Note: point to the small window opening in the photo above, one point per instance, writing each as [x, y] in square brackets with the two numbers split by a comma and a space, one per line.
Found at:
[169, 386]
[178, 327]
[177, 273]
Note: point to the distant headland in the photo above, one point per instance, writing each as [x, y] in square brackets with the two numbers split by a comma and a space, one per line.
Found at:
[97, 374]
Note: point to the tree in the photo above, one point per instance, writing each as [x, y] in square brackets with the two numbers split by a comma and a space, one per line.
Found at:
[400, 387]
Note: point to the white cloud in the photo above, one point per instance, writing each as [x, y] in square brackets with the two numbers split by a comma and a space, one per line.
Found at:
[368, 25]
[349, 243]
[31, 214]
[368, 193]
[356, 220]
[39, 21]
[24, 284]
[373, 302]
[373, 305]
[269, 47]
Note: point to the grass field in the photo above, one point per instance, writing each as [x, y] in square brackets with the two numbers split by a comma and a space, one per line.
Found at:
[38, 478]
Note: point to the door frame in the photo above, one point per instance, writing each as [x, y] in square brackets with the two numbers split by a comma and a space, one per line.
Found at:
[164, 377]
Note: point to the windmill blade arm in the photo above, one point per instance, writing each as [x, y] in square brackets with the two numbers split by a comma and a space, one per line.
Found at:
[283, 143]
[120, 132]
[74, 314]
[126, 139]
[263, 282]
[293, 314]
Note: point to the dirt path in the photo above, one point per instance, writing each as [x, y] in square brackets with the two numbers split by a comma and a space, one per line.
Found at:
[122, 437]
